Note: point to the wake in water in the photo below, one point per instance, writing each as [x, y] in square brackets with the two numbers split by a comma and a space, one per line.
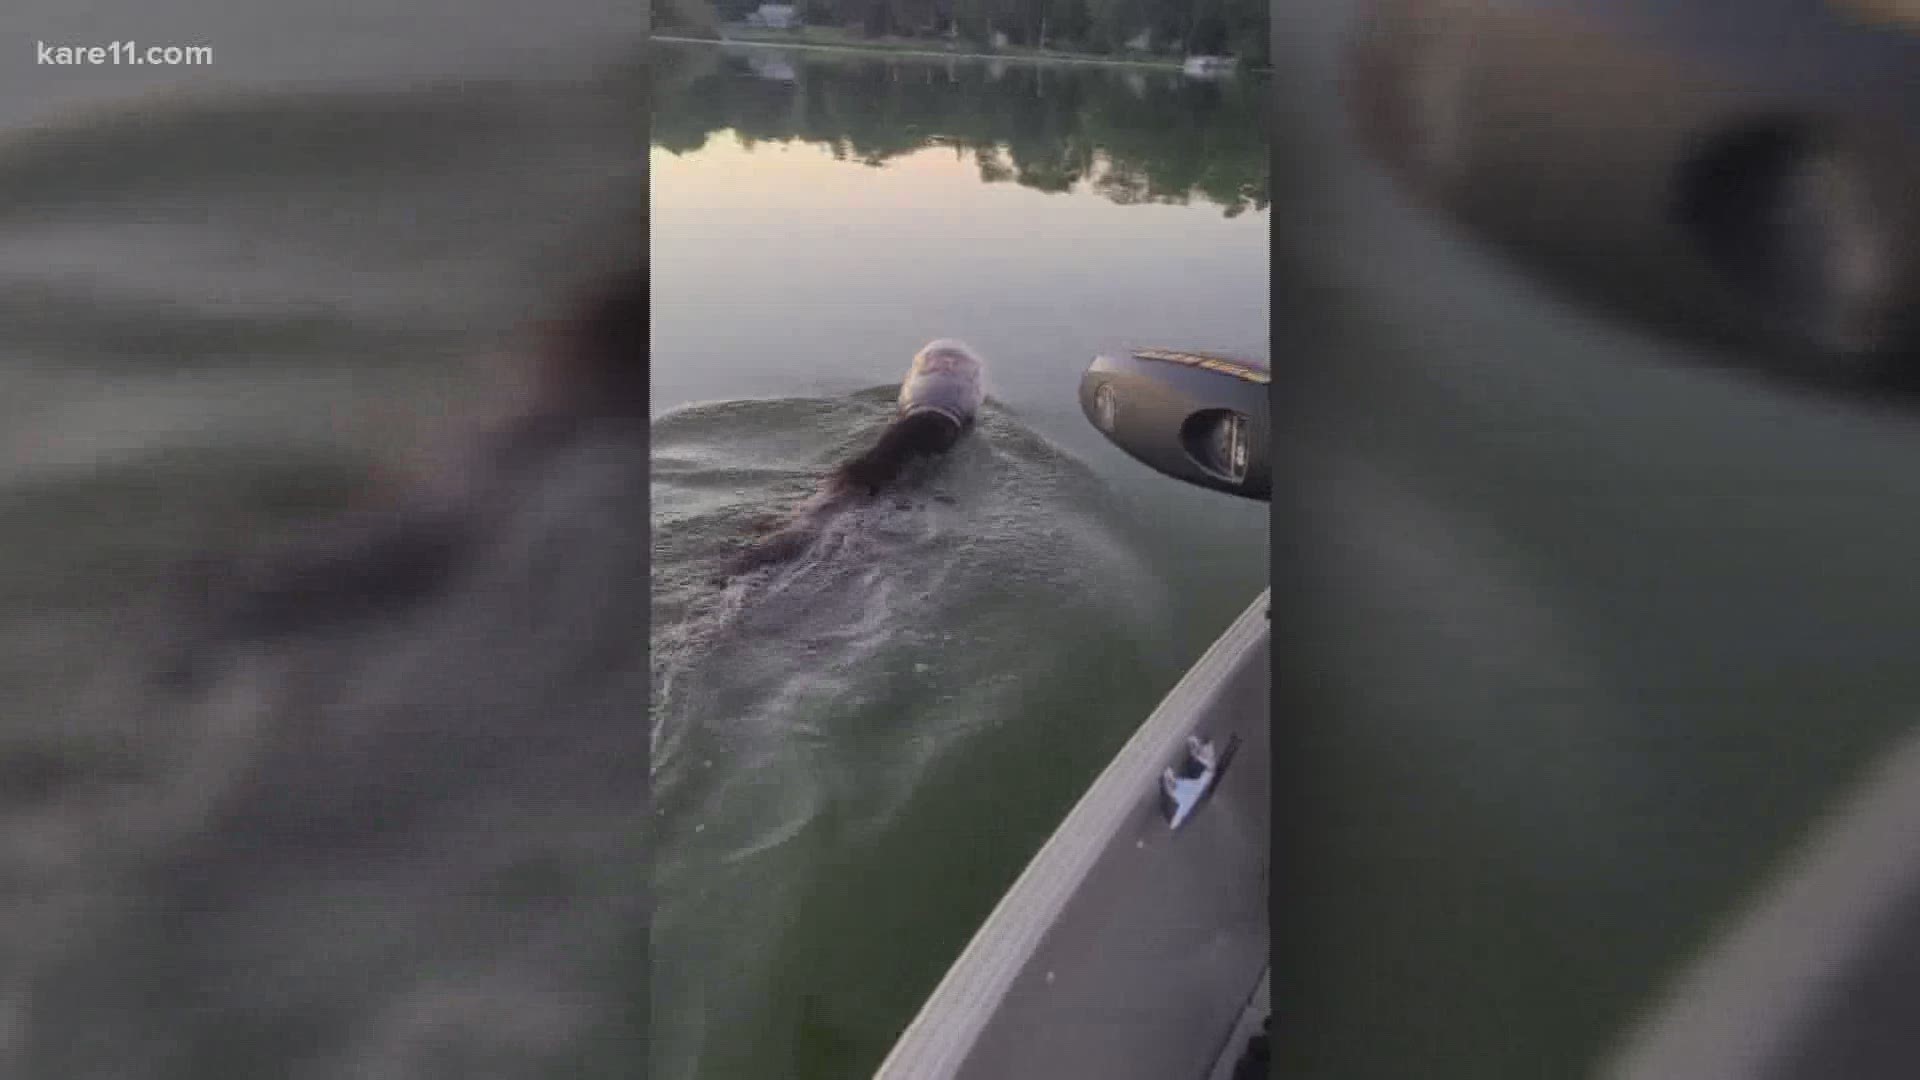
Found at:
[899, 681]
[939, 400]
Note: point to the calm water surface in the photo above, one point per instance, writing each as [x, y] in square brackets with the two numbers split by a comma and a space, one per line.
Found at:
[856, 753]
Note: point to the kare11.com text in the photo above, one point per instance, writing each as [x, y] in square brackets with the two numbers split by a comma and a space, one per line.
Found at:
[121, 54]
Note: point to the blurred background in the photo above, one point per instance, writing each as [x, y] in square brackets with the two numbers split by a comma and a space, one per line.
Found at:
[227, 293]
[1604, 522]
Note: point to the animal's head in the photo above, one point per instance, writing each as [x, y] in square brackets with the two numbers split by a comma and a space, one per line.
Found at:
[938, 401]
[946, 378]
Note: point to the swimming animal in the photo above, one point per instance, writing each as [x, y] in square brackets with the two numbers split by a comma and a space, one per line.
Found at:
[939, 399]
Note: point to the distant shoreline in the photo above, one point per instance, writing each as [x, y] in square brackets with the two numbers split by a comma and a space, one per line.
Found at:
[1034, 57]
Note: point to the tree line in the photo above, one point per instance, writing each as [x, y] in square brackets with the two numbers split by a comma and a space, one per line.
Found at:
[1131, 135]
[1102, 27]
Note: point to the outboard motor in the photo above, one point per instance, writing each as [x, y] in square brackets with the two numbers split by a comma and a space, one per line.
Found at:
[1200, 417]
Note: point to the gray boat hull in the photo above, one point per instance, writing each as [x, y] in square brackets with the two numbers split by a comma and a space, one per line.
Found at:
[1128, 948]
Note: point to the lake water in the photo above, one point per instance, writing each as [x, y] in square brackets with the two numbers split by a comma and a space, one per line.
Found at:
[855, 754]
